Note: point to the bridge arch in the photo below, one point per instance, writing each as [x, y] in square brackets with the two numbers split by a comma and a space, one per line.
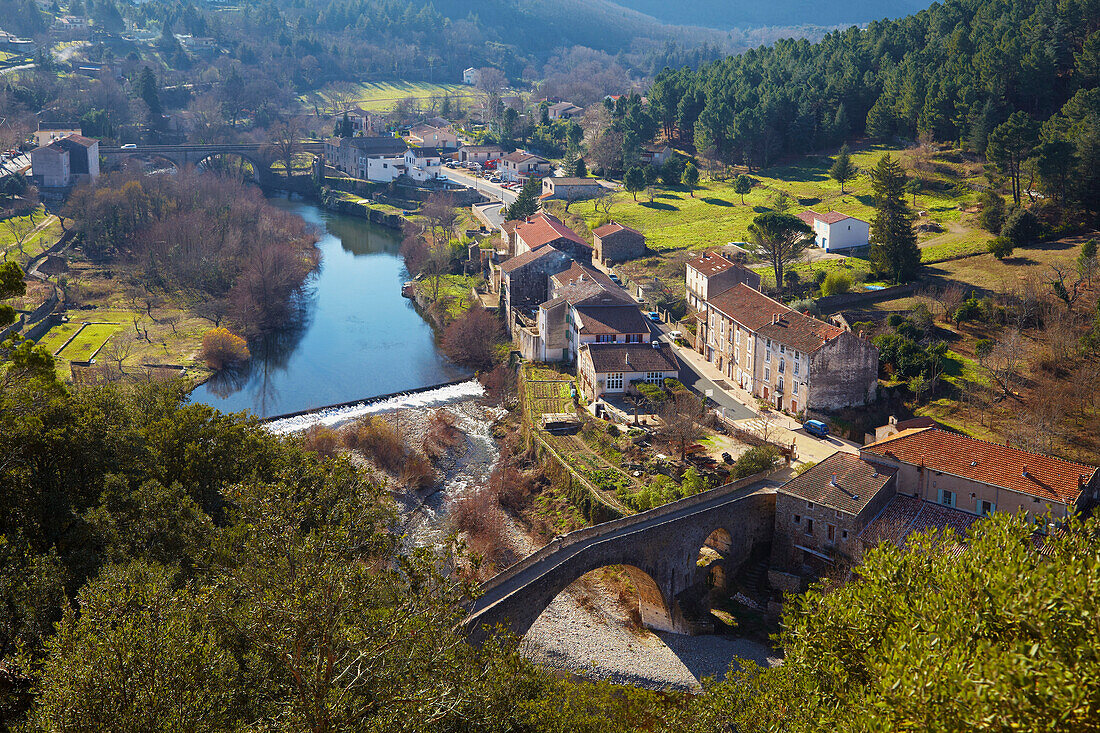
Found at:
[231, 163]
[147, 157]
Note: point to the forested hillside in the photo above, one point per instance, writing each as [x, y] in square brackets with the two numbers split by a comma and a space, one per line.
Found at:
[954, 72]
[725, 14]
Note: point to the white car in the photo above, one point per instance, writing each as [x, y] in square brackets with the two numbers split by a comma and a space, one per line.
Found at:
[675, 335]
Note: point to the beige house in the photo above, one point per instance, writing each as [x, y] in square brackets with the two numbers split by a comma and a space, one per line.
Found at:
[479, 153]
[790, 360]
[434, 137]
[542, 229]
[570, 189]
[564, 111]
[67, 161]
[521, 165]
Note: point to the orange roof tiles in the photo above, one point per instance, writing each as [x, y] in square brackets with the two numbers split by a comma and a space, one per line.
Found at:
[709, 263]
[1034, 474]
[542, 229]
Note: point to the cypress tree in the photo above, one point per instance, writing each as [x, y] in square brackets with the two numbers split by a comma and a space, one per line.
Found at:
[894, 252]
[843, 169]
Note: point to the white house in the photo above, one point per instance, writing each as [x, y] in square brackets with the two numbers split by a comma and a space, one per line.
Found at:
[434, 137]
[422, 164]
[833, 231]
[520, 165]
[65, 162]
[471, 76]
[384, 170]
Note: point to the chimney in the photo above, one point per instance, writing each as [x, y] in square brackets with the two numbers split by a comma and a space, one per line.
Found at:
[1025, 474]
[833, 481]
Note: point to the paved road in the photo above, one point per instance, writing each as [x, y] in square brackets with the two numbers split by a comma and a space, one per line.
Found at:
[645, 521]
[468, 179]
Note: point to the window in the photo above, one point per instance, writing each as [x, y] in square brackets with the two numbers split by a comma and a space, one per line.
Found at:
[738, 336]
[797, 356]
[986, 508]
[837, 512]
[809, 505]
[615, 380]
[782, 366]
[653, 377]
[767, 374]
[844, 534]
[634, 338]
[947, 498]
[830, 532]
[769, 343]
[809, 526]
[782, 349]
[797, 519]
[605, 338]
[796, 367]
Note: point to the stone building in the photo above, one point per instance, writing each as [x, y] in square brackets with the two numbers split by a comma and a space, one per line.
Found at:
[570, 189]
[525, 283]
[65, 162]
[711, 274]
[363, 157]
[610, 368]
[617, 243]
[790, 360]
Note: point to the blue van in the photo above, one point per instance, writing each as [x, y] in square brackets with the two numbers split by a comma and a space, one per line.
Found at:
[816, 427]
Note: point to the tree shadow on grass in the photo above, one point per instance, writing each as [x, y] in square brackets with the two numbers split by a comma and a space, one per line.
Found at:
[659, 205]
[670, 195]
[866, 199]
[716, 202]
[762, 209]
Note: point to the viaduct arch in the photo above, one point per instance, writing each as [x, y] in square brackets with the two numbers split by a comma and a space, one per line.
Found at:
[659, 548]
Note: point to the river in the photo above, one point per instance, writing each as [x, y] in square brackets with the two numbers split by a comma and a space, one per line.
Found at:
[357, 336]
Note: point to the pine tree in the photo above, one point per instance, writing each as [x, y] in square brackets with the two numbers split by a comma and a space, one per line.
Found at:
[580, 170]
[690, 178]
[843, 169]
[894, 251]
[527, 202]
[148, 88]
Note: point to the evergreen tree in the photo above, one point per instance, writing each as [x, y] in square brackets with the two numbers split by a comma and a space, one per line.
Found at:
[1010, 145]
[634, 181]
[742, 186]
[843, 169]
[580, 170]
[690, 178]
[894, 252]
[527, 202]
[147, 88]
[780, 239]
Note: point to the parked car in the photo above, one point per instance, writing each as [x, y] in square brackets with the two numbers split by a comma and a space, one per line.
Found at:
[654, 316]
[675, 335]
[615, 279]
[816, 428]
[494, 179]
[128, 146]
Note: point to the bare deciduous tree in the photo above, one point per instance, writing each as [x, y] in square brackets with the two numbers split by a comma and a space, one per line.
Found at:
[1003, 361]
[119, 348]
[682, 419]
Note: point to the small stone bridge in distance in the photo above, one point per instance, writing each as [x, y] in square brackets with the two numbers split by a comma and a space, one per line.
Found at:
[182, 156]
[659, 549]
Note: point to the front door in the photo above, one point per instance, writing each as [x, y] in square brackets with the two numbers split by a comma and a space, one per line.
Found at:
[794, 406]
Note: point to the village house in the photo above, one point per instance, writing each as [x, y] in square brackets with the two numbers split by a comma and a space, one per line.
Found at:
[656, 154]
[564, 111]
[434, 137]
[710, 274]
[614, 243]
[525, 282]
[570, 189]
[790, 360]
[471, 76]
[542, 229]
[423, 164]
[520, 165]
[65, 162]
[835, 231]
[584, 306]
[914, 480]
[611, 368]
[365, 123]
[480, 154]
[49, 131]
[378, 159]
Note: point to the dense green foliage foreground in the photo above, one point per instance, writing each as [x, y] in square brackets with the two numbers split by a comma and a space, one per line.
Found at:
[167, 568]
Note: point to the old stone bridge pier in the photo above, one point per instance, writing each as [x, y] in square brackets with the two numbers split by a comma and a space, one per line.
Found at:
[182, 156]
[660, 549]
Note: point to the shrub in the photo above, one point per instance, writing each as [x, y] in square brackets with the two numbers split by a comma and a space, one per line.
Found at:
[992, 217]
[222, 348]
[970, 310]
[805, 306]
[471, 338]
[417, 472]
[651, 392]
[1021, 228]
[378, 440]
[836, 283]
[755, 460]
[674, 385]
[321, 439]
[819, 277]
[1001, 247]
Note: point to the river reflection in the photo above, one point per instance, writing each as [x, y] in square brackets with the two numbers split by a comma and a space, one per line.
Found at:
[355, 337]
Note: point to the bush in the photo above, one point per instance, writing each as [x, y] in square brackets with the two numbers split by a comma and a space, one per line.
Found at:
[755, 460]
[819, 277]
[378, 440]
[222, 348]
[321, 439]
[1022, 228]
[651, 392]
[836, 283]
[471, 338]
[674, 385]
[992, 217]
[1001, 247]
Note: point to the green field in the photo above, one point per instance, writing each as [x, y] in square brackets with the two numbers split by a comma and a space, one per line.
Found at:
[36, 243]
[53, 339]
[89, 341]
[675, 220]
[383, 96]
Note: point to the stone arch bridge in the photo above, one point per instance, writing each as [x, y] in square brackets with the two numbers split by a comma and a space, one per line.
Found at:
[660, 550]
[182, 156]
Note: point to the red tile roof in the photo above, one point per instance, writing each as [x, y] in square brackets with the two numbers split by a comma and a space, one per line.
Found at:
[613, 319]
[84, 142]
[771, 319]
[831, 217]
[543, 229]
[710, 263]
[528, 257]
[630, 358]
[904, 516]
[521, 157]
[613, 228]
[856, 483]
[1034, 474]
